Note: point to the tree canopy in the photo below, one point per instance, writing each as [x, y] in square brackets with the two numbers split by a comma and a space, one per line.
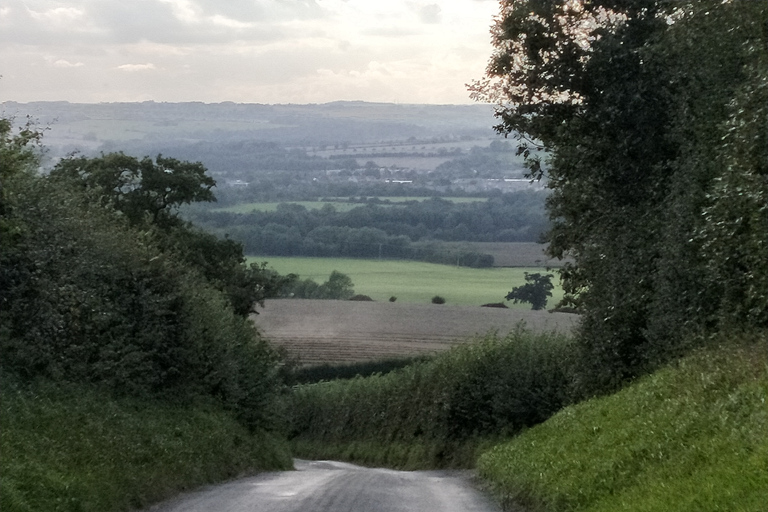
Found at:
[649, 118]
[140, 187]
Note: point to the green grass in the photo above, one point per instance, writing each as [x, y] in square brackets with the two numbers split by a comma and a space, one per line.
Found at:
[76, 449]
[412, 281]
[340, 204]
[691, 437]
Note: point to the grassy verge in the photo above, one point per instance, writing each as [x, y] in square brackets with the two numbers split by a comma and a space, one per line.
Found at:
[76, 449]
[413, 281]
[691, 437]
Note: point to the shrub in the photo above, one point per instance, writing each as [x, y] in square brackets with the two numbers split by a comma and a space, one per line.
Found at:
[437, 299]
[491, 387]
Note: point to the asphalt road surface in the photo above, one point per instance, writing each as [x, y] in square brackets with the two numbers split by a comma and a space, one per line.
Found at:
[324, 486]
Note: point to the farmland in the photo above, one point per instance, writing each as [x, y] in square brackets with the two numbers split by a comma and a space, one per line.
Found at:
[329, 331]
[415, 282]
[339, 204]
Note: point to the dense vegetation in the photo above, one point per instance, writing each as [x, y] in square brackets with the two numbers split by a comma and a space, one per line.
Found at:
[375, 231]
[432, 413]
[652, 116]
[102, 287]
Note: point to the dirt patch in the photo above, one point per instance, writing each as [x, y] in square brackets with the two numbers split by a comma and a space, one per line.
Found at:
[328, 331]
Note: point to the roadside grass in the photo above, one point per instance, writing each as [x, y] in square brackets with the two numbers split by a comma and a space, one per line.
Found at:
[414, 281]
[690, 437]
[78, 449]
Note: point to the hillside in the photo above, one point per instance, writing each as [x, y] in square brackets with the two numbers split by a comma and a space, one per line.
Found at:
[690, 437]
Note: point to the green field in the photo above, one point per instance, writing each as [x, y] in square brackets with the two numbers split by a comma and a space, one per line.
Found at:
[340, 204]
[412, 281]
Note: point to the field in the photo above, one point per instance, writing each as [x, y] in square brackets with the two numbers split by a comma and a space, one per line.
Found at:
[413, 281]
[334, 331]
[328, 331]
[341, 205]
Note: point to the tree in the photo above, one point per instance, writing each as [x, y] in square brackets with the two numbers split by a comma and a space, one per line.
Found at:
[87, 298]
[141, 189]
[535, 291]
[636, 111]
[149, 193]
[339, 286]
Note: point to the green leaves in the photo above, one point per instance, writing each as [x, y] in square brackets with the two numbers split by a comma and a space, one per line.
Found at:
[143, 190]
[653, 114]
[87, 297]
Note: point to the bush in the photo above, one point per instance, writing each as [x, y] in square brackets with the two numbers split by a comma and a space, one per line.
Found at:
[438, 300]
[491, 387]
[85, 298]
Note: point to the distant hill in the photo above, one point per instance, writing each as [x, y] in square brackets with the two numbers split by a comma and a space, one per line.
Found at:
[94, 126]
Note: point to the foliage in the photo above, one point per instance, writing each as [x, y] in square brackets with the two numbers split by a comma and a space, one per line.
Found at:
[149, 194]
[86, 298]
[437, 299]
[535, 291]
[690, 437]
[139, 188]
[494, 386]
[75, 448]
[651, 115]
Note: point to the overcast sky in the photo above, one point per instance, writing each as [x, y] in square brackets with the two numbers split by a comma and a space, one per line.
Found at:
[259, 51]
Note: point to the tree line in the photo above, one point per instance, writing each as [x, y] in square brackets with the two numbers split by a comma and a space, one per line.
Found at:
[393, 231]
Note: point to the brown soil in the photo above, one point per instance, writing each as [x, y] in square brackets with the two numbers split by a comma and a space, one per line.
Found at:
[329, 331]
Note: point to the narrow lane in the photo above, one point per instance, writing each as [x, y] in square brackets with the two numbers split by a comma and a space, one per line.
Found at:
[325, 486]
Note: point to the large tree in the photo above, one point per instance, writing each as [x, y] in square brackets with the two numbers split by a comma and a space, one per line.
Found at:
[142, 189]
[648, 117]
[148, 193]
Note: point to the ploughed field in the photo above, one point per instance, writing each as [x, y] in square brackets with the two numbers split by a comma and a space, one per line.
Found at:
[335, 331]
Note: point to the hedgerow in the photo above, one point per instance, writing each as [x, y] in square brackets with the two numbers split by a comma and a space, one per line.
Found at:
[491, 387]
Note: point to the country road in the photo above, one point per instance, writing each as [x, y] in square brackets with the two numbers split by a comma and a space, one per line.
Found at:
[325, 486]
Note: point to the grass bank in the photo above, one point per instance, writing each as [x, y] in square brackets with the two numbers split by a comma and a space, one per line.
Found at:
[413, 281]
[690, 437]
[77, 449]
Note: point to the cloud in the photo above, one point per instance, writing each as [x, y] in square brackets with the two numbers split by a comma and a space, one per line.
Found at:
[131, 68]
[59, 16]
[61, 63]
[430, 13]
[244, 50]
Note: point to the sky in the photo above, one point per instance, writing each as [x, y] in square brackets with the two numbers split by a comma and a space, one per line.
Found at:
[245, 51]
